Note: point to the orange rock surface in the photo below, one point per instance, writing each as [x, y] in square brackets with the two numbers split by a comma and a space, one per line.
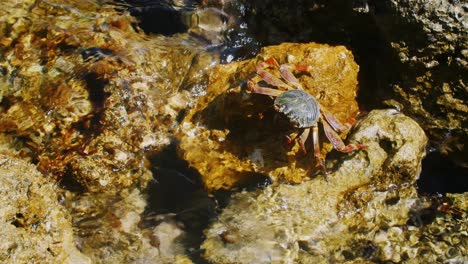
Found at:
[231, 135]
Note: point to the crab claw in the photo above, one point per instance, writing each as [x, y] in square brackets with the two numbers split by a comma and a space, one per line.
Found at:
[286, 72]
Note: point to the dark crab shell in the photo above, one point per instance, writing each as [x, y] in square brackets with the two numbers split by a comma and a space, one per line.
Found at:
[299, 107]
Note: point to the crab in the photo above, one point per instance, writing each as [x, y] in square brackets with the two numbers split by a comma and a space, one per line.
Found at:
[301, 109]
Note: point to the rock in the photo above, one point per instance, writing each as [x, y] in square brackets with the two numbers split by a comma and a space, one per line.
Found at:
[230, 135]
[430, 40]
[89, 95]
[363, 212]
[86, 96]
[34, 227]
[412, 54]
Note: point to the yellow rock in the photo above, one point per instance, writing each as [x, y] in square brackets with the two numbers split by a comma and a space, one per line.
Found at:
[231, 135]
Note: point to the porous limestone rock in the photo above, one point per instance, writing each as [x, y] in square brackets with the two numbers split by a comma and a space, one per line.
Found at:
[366, 211]
[230, 135]
[430, 41]
[34, 227]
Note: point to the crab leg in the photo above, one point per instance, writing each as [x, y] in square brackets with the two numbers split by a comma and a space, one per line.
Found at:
[302, 139]
[337, 142]
[335, 123]
[254, 88]
[272, 80]
[268, 77]
[286, 72]
[318, 157]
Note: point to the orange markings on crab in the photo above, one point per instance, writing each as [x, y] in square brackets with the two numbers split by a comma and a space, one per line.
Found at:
[303, 68]
[271, 61]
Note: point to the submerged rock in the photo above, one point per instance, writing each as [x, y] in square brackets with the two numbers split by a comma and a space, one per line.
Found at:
[367, 210]
[34, 227]
[87, 95]
[112, 229]
[231, 135]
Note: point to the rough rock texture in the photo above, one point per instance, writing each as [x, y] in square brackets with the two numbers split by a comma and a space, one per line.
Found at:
[34, 227]
[231, 135]
[84, 94]
[431, 41]
[368, 210]
[412, 54]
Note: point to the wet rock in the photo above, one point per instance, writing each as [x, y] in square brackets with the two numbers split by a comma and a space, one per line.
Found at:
[412, 54]
[34, 227]
[85, 96]
[87, 93]
[431, 43]
[231, 135]
[361, 213]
